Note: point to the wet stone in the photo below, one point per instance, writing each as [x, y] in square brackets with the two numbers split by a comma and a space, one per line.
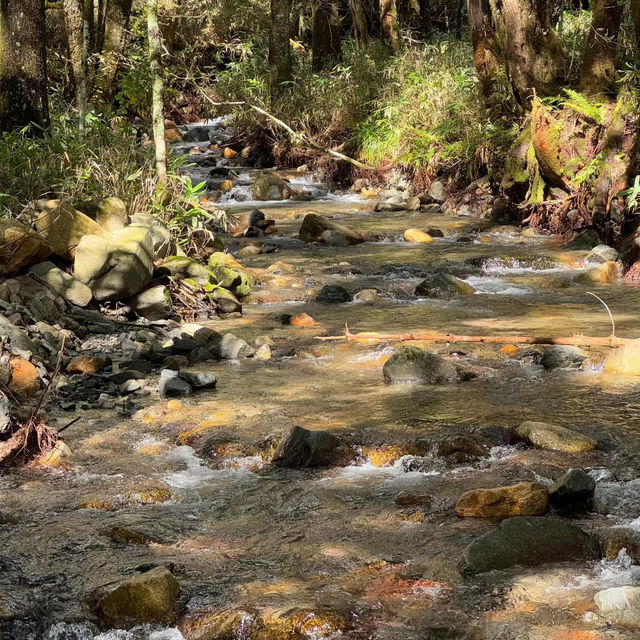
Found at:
[172, 385]
[411, 365]
[304, 448]
[561, 357]
[523, 499]
[620, 605]
[554, 437]
[199, 381]
[333, 294]
[573, 491]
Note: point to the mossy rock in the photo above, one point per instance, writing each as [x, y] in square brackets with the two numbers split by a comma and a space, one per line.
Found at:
[225, 300]
[230, 274]
[412, 365]
[443, 285]
[185, 269]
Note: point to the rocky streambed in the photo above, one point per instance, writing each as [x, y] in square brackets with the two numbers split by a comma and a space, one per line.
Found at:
[237, 478]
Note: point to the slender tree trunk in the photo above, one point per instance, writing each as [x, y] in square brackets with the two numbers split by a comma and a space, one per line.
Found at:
[425, 18]
[459, 18]
[82, 80]
[155, 59]
[599, 66]
[117, 22]
[73, 20]
[389, 24]
[23, 69]
[360, 25]
[484, 45]
[532, 53]
[325, 36]
[279, 46]
[635, 15]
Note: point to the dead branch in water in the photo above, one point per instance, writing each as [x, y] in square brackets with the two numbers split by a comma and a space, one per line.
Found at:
[370, 337]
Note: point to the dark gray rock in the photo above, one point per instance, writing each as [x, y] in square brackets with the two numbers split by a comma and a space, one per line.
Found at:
[196, 134]
[172, 385]
[573, 491]
[120, 377]
[201, 354]
[333, 294]
[411, 365]
[230, 347]
[561, 357]
[528, 542]
[443, 285]
[586, 240]
[304, 448]
[199, 381]
[255, 217]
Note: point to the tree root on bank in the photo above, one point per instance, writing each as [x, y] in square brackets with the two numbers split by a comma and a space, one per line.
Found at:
[28, 442]
[370, 337]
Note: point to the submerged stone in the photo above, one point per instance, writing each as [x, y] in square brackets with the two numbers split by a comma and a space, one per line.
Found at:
[604, 273]
[554, 437]
[563, 357]
[528, 542]
[624, 360]
[333, 294]
[443, 285]
[412, 365]
[620, 605]
[523, 499]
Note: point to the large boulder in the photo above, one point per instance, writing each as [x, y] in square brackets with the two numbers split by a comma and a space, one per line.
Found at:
[412, 365]
[62, 227]
[553, 437]
[110, 213]
[304, 448]
[313, 226]
[62, 283]
[163, 244]
[151, 597]
[620, 605]
[116, 267]
[528, 542]
[20, 247]
[443, 285]
[522, 499]
[604, 273]
[153, 304]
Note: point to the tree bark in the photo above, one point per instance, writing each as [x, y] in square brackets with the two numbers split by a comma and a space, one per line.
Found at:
[325, 36]
[425, 18]
[73, 21]
[599, 73]
[279, 46]
[484, 45]
[635, 15]
[82, 94]
[23, 69]
[360, 25]
[117, 22]
[155, 59]
[532, 53]
[389, 24]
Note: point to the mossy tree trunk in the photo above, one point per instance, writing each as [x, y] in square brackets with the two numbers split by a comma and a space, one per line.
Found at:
[23, 69]
[530, 48]
[73, 21]
[483, 40]
[325, 34]
[155, 59]
[389, 24]
[118, 13]
[599, 73]
[280, 46]
[360, 25]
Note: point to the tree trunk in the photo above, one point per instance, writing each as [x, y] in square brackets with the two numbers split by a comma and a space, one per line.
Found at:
[532, 53]
[117, 22]
[81, 82]
[360, 25]
[389, 24]
[459, 18]
[73, 21]
[325, 37]
[425, 18]
[484, 45]
[635, 15]
[155, 59]
[23, 69]
[599, 73]
[279, 46]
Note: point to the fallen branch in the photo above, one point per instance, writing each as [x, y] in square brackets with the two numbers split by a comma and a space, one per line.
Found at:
[370, 337]
[296, 138]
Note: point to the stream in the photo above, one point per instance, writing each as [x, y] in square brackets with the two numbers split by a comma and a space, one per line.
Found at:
[330, 553]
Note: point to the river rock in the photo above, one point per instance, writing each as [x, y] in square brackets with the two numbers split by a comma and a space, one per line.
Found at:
[573, 491]
[302, 320]
[184, 268]
[604, 273]
[196, 133]
[436, 192]
[25, 379]
[585, 240]
[230, 274]
[19, 343]
[530, 542]
[334, 238]
[523, 499]
[368, 296]
[412, 365]
[153, 304]
[602, 253]
[554, 437]
[271, 187]
[62, 283]
[110, 213]
[151, 597]
[304, 448]
[333, 294]
[172, 385]
[5, 422]
[20, 247]
[116, 267]
[621, 538]
[620, 605]
[624, 360]
[313, 226]
[62, 227]
[620, 499]
[230, 347]
[417, 236]
[199, 381]
[563, 357]
[87, 364]
[225, 301]
[163, 244]
[443, 285]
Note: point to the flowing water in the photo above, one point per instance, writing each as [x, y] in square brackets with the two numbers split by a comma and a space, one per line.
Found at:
[329, 550]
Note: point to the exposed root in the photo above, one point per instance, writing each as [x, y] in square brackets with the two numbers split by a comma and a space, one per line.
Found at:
[28, 442]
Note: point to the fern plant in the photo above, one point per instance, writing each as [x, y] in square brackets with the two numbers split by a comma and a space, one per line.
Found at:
[591, 110]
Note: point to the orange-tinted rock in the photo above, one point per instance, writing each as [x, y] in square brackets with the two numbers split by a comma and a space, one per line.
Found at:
[25, 379]
[229, 153]
[522, 499]
[385, 456]
[302, 320]
[509, 350]
[172, 135]
[417, 235]
[86, 364]
[226, 185]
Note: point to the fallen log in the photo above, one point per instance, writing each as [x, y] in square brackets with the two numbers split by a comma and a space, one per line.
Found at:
[370, 337]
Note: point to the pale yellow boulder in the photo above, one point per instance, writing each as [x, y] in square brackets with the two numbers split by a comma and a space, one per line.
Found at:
[417, 235]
